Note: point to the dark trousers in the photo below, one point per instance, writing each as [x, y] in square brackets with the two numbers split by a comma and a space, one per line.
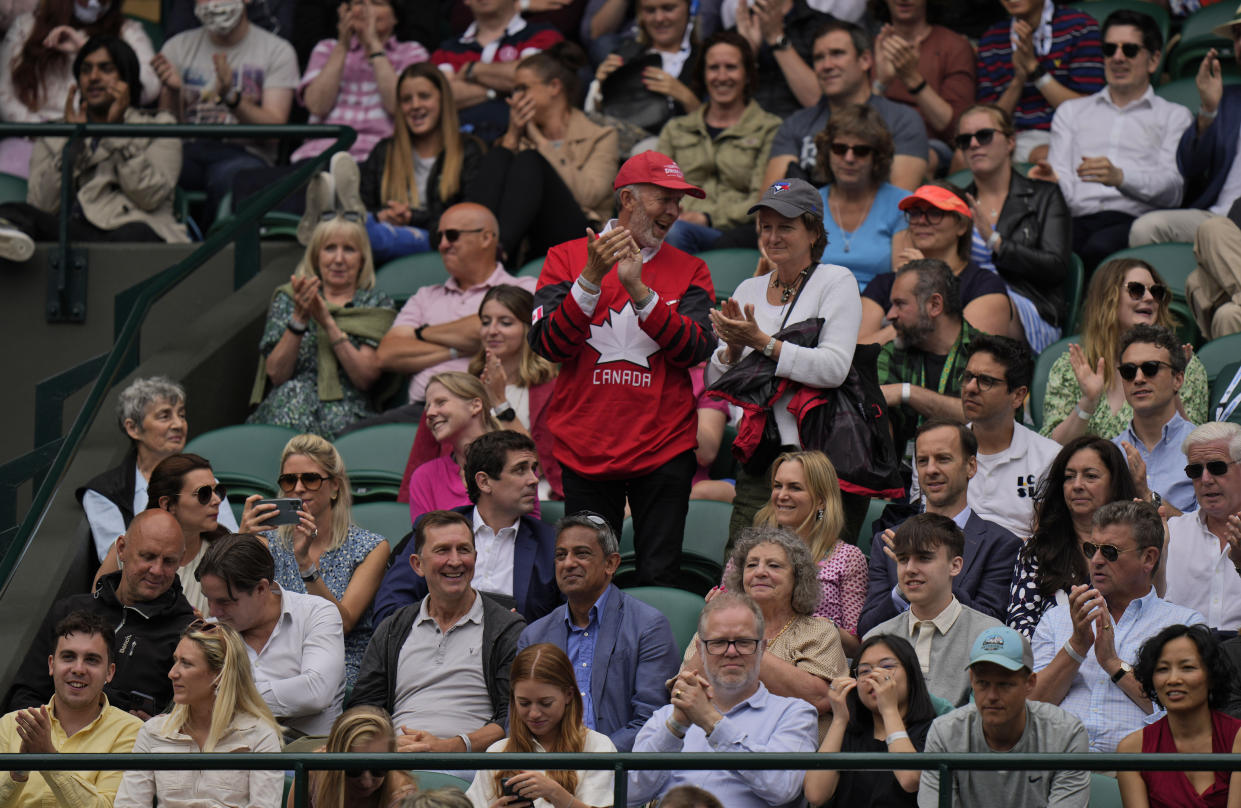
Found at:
[530, 200]
[43, 226]
[659, 500]
[208, 165]
[1098, 235]
[248, 183]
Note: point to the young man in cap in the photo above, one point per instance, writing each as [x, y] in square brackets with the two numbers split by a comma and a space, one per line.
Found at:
[1002, 718]
[626, 316]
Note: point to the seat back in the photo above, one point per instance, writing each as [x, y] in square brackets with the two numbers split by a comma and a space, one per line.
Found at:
[1219, 389]
[401, 278]
[1218, 353]
[12, 188]
[729, 268]
[388, 519]
[1074, 288]
[245, 457]
[680, 607]
[1042, 372]
[376, 456]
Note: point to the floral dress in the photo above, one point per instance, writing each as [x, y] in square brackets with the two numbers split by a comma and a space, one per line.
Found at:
[336, 567]
[296, 403]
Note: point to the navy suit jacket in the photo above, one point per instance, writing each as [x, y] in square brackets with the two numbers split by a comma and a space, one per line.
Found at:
[1205, 161]
[534, 573]
[635, 654]
[983, 583]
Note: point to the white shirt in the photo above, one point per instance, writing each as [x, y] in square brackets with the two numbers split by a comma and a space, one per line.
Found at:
[300, 672]
[493, 565]
[1003, 489]
[594, 787]
[1140, 138]
[1201, 575]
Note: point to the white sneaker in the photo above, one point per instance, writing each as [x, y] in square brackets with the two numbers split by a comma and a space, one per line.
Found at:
[14, 244]
[348, 185]
[320, 200]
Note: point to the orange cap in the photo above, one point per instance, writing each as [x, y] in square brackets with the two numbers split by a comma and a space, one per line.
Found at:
[939, 197]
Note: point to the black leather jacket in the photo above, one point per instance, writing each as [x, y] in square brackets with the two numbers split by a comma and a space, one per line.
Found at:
[1036, 244]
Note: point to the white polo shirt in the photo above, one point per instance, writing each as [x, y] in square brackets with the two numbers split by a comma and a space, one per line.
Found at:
[1200, 574]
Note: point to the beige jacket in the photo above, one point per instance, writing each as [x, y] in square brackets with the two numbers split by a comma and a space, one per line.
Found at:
[118, 180]
[587, 161]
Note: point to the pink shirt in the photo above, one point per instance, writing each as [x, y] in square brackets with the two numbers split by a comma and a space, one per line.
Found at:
[358, 103]
[435, 486]
[443, 303]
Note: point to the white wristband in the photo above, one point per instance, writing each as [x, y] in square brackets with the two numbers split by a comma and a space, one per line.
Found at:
[1044, 80]
[905, 391]
[469, 747]
[895, 736]
[1073, 655]
[1210, 116]
[1080, 413]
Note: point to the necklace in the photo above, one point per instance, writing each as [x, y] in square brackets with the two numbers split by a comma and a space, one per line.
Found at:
[781, 634]
[788, 288]
[847, 233]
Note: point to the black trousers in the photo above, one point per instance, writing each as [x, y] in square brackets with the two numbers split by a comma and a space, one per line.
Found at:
[659, 499]
[1098, 235]
[531, 201]
[43, 226]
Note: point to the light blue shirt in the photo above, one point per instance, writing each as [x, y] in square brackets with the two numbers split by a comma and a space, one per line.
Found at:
[1165, 463]
[762, 723]
[1108, 713]
[867, 251]
[581, 651]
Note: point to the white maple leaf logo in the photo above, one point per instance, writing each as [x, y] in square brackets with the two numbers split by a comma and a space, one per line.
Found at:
[619, 338]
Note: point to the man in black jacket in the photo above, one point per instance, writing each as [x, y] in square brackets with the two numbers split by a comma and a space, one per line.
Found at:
[144, 605]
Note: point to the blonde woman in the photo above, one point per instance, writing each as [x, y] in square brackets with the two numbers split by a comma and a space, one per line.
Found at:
[458, 410]
[326, 554]
[362, 730]
[216, 708]
[317, 354]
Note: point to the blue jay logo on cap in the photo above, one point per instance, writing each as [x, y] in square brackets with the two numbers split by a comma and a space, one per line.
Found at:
[777, 187]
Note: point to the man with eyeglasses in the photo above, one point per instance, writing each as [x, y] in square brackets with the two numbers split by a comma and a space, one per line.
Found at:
[142, 602]
[1203, 568]
[1152, 370]
[1114, 152]
[727, 709]
[1084, 649]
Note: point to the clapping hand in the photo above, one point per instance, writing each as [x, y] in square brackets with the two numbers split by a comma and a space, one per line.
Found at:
[223, 74]
[1089, 379]
[736, 326]
[73, 111]
[1025, 61]
[494, 378]
[1085, 604]
[167, 72]
[1210, 82]
[603, 251]
[34, 727]
[837, 695]
[65, 38]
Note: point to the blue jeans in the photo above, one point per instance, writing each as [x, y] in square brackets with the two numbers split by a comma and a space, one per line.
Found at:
[693, 238]
[389, 241]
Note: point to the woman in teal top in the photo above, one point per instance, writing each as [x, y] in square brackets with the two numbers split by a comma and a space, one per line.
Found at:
[860, 205]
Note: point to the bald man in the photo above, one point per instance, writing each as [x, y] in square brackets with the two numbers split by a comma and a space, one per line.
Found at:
[142, 602]
[437, 330]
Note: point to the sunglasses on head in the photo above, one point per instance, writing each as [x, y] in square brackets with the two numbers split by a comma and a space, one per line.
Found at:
[203, 493]
[1129, 49]
[1137, 291]
[983, 136]
[310, 481]
[1129, 370]
[1218, 468]
[452, 234]
[860, 152]
[1109, 552]
[201, 626]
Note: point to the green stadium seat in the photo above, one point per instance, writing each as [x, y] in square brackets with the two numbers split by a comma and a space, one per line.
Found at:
[399, 279]
[388, 519]
[941, 704]
[1218, 354]
[706, 535]
[964, 177]
[532, 269]
[867, 534]
[1197, 37]
[12, 188]
[375, 458]
[1075, 287]
[551, 510]
[245, 457]
[1104, 791]
[626, 537]
[1185, 91]
[729, 268]
[1042, 372]
[680, 607]
[153, 30]
[428, 781]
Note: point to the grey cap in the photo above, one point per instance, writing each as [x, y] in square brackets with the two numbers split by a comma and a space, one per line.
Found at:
[791, 197]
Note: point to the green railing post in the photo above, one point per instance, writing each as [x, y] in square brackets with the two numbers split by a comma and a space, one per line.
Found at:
[620, 786]
[945, 786]
[301, 785]
[66, 280]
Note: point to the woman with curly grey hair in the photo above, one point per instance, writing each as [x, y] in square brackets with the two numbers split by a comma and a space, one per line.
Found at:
[773, 566]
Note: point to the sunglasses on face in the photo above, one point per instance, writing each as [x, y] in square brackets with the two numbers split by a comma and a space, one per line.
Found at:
[1218, 468]
[1109, 552]
[310, 481]
[860, 152]
[203, 493]
[985, 382]
[983, 136]
[933, 216]
[1129, 49]
[1137, 291]
[452, 234]
[378, 774]
[1129, 370]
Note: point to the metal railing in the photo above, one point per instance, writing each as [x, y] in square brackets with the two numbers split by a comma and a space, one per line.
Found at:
[47, 462]
[621, 763]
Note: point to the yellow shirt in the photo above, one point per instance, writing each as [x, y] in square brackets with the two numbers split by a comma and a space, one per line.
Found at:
[112, 731]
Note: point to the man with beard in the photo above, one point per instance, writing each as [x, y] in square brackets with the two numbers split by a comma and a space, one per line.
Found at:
[626, 316]
[920, 370]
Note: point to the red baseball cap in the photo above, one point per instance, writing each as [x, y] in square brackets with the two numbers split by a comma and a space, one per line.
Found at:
[939, 197]
[656, 169]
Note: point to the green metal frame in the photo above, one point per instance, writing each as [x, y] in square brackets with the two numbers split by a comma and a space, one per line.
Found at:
[52, 454]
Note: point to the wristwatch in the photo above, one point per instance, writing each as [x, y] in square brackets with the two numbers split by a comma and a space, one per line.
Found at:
[1124, 668]
[504, 412]
[781, 44]
[311, 575]
[1036, 74]
[232, 98]
[1156, 500]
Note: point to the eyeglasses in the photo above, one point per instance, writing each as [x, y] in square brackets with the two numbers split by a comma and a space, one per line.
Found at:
[1129, 49]
[1218, 468]
[983, 136]
[452, 234]
[378, 774]
[203, 493]
[885, 665]
[1129, 370]
[1137, 291]
[931, 215]
[310, 481]
[1109, 552]
[860, 152]
[985, 382]
[744, 646]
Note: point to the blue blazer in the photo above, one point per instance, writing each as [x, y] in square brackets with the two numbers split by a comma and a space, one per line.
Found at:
[635, 654]
[983, 583]
[534, 573]
[1205, 161]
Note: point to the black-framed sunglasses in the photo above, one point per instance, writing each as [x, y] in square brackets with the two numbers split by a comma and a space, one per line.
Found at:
[1137, 291]
[983, 136]
[203, 493]
[310, 481]
[933, 216]
[1129, 370]
[1218, 468]
[985, 382]
[861, 152]
[745, 646]
[354, 772]
[1129, 49]
[201, 626]
[1109, 552]
[452, 234]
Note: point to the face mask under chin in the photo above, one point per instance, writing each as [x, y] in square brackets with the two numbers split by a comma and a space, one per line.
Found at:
[220, 18]
[91, 12]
